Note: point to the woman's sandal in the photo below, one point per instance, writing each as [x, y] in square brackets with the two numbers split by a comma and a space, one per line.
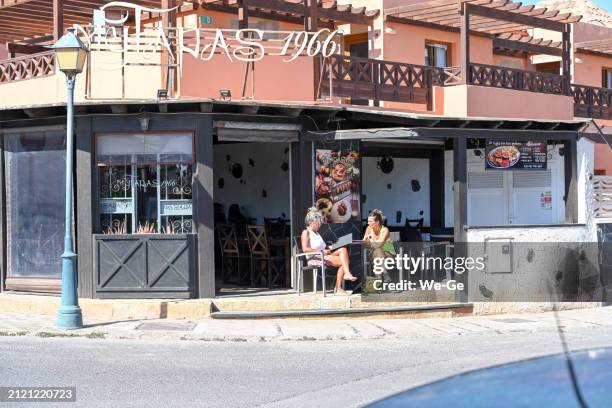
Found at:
[351, 279]
[340, 292]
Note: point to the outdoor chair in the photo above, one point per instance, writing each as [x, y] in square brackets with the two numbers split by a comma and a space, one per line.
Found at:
[231, 256]
[264, 265]
[301, 265]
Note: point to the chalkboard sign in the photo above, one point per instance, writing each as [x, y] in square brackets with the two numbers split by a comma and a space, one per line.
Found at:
[503, 155]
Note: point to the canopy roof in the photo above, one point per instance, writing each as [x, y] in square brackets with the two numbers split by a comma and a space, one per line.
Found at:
[29, 21]
[445, 14]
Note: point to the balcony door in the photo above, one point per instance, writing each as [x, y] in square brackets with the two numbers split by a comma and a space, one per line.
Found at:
[356, 45]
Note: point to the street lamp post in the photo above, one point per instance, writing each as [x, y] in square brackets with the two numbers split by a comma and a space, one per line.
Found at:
[71, 54]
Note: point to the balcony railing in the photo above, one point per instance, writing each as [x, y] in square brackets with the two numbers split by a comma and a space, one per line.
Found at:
[27, 67]
[518, 79]
[592, 102]
[378, 80]
[364, 78]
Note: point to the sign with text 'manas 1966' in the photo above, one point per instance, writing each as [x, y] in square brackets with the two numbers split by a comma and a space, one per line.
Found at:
[246, 45]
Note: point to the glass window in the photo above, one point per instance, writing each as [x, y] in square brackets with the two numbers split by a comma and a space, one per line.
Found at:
[607, 78]
[35, 198]
[436, 55]
[145, 183]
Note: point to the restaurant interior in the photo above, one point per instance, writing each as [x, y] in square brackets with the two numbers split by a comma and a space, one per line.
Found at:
[252, 215]
[252, 205]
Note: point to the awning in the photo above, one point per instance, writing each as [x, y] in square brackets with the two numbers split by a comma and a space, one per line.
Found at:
[230, 131]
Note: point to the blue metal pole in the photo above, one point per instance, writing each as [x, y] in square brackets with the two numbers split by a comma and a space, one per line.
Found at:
[69, 315]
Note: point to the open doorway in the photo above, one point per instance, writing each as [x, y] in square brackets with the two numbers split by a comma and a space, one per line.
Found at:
[252, 216]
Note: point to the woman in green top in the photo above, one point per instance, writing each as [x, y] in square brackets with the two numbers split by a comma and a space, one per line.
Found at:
[378, 236]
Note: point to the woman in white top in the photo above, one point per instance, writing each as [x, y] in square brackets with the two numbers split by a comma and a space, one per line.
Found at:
[313, 242]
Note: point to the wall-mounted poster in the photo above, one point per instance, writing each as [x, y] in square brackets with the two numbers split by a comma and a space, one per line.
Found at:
[501, 155]
[337, 190]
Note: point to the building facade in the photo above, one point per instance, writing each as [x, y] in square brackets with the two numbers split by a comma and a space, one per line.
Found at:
[172, 124]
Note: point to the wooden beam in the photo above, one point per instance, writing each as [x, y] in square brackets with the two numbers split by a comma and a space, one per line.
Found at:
[465, 44]
[566, 58]
[435, 26]
[311, 16]
[299, 10]
[58, 19]
[514, 17]
[243, 14]
[24, 49]
[428, 5]
[526, 47]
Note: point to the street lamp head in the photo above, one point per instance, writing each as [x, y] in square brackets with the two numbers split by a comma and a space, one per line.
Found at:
[71, 53]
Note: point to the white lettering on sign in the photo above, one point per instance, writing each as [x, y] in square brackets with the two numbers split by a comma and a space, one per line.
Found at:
[175, 207]
[245, 45]
[116, 206]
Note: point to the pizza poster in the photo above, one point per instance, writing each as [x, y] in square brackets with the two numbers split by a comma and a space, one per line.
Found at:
[337, 190]
[531, 155]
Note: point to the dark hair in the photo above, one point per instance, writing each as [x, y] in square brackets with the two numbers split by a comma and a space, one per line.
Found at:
[378, 216]
[234, 210]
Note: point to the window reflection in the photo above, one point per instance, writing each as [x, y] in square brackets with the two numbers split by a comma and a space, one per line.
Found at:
[147, 193]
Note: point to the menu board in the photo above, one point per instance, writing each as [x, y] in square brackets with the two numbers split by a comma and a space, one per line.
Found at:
[337, 191]
[503, 155]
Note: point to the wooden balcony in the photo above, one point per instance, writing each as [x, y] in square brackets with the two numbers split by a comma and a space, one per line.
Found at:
[378, 80]
[27, 67]
[337, 76]
[592, 102]
[517, 79]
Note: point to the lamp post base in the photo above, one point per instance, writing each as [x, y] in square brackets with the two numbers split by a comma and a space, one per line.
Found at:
[69, 317]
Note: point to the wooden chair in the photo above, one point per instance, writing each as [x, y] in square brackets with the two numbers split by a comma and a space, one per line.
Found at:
[231, 256]
[301, 259]
[275, 227]
[263, 264]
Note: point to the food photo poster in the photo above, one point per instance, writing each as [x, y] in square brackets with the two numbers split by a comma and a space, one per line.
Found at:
[502, 155]
[337, 188]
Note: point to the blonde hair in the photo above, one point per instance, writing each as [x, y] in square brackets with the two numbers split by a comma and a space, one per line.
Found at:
[313, 215]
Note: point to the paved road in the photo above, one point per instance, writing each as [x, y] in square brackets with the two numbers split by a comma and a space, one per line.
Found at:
[170, 373]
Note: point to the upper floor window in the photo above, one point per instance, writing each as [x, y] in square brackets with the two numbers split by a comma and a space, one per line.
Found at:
[607, 78]
[436, 55]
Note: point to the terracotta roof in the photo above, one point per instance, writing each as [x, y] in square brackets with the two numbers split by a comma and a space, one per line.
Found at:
[445, 14]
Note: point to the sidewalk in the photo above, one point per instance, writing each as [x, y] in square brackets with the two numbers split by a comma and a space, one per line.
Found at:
[304, 330]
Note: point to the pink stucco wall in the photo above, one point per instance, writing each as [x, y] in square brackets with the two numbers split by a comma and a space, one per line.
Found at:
[480, 101]
[603, 158]
[587, 69]
[408, 44]
[275, 80]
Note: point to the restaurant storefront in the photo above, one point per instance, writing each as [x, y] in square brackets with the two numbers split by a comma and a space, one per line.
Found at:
[151, 186]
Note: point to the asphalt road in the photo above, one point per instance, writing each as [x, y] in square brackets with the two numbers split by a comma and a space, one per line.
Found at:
[117, 373]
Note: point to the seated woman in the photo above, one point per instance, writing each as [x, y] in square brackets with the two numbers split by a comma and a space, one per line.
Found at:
[313, 242]
[377, 236]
